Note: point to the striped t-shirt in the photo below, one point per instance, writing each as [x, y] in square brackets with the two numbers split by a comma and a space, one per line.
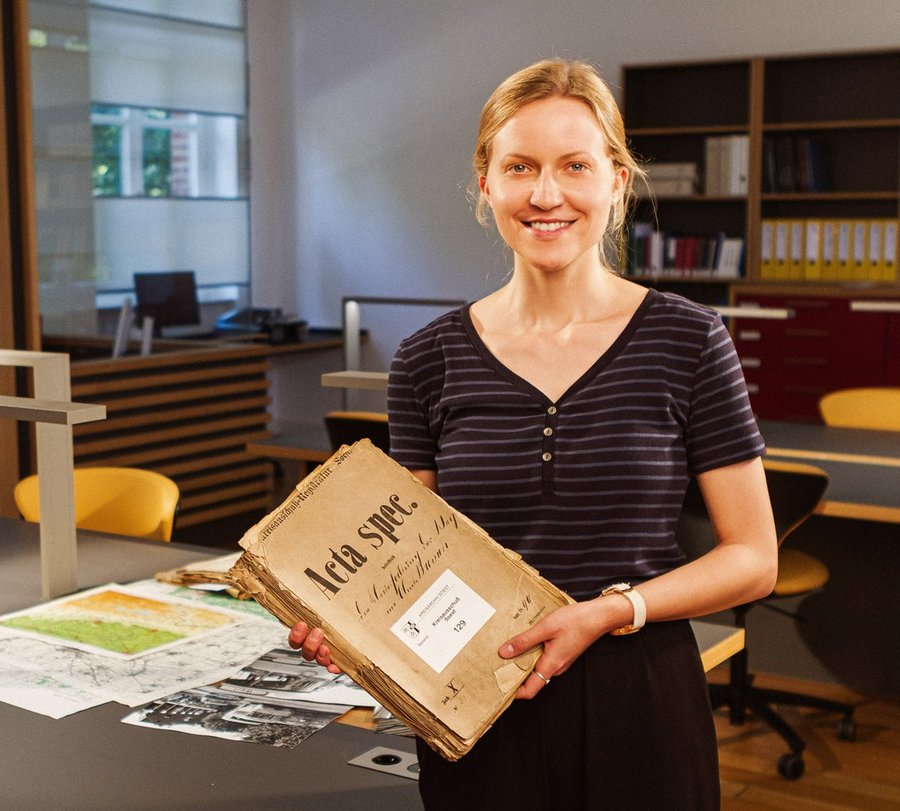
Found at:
[588, 489]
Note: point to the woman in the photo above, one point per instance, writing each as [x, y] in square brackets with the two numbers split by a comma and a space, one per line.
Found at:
[564, 413]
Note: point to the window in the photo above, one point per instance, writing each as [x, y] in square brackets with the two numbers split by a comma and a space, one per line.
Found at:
[145, 152]
[140, 129]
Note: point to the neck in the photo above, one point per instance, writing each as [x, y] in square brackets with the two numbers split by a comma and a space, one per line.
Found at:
[566, 296]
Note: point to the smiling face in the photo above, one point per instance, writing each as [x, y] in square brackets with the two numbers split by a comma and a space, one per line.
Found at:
[550, 184]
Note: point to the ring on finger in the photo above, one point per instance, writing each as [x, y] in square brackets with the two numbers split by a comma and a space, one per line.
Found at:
[541, 676]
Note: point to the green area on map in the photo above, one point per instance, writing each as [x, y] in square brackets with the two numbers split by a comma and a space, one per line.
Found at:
[116, 637]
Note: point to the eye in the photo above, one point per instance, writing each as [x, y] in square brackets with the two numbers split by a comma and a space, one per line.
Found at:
[517, 168]
[578, 167]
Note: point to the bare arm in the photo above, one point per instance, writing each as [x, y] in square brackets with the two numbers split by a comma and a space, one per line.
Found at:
[740, 568]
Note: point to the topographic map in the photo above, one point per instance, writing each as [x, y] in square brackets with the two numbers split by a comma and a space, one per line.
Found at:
[112, 620]
[56, 677]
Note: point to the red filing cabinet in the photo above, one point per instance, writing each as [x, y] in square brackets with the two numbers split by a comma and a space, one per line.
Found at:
[825, 345]
[892, 360]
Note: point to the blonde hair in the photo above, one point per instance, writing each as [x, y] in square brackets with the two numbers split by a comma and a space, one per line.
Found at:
[558, 78]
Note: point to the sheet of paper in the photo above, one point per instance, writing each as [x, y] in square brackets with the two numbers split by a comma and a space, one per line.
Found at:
[442, 621]
[217, 713]
[282, 673]
[211, 599]
[116, 622]
[205, 660]
[278, 699]
[41, 693]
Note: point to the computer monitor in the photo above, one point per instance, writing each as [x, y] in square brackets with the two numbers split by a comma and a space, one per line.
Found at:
[168, 297]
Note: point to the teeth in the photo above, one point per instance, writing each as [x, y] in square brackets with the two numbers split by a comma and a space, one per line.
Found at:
[548, 226]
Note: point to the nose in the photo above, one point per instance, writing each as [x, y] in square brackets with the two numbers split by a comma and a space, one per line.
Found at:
[546, 193]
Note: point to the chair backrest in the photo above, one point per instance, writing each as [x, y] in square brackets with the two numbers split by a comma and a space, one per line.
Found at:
[795, 491]
[118, 500]
[876, 408]
[346, 427]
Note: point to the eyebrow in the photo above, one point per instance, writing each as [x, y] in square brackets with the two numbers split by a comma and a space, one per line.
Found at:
[568, 156]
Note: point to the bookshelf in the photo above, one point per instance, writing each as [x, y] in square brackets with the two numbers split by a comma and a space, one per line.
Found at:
[823, 159]
[844, 109]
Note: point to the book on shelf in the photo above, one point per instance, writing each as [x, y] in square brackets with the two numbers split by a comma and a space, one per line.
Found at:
[794, 164]
[672, 179]
[782, 247]
[414, 599]
[767, 250]
[843, 249]
[829, 249]
[812, 260]
[653, 253]
[797, 249]
[889, 249]
[727, 165]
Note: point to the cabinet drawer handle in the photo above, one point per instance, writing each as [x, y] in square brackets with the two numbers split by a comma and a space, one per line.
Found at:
[788, 361]
[807, 333]
[875, 306]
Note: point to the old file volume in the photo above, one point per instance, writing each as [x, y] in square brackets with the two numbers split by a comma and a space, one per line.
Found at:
[414, 598]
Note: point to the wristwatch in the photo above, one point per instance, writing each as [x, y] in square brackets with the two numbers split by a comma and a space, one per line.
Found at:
[637, 603]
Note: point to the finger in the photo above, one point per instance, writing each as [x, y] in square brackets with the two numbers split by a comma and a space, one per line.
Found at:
[323, 655]
[519, 644]
[311, 644]
[532, 686]
[297, 635]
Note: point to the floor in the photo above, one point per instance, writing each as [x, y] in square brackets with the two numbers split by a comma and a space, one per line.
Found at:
[862, 774]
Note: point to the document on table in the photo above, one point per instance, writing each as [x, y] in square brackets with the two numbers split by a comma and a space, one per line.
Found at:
[280, 699]
[67, 675]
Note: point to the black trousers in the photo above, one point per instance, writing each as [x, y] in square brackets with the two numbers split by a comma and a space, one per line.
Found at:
[628, 726]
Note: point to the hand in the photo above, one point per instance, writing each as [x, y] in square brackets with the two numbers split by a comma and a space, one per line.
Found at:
[565, 633]
[310, 644]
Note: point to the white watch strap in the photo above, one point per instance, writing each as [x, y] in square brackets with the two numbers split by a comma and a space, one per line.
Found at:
[640, 607]
[637, 603]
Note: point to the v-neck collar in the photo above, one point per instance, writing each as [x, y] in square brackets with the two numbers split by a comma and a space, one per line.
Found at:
[596, 367]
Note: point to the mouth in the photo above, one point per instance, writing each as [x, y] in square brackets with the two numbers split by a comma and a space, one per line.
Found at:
[548, 227]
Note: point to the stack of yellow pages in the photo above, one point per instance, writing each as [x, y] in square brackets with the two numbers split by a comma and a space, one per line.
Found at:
[414, 598]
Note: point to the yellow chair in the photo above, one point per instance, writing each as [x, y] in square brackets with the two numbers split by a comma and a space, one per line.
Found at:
[346, 427]
[876, 408]
[795, 490]
[118, 500]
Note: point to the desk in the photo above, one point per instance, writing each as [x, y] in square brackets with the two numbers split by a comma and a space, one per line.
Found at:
[301, 443]
[863, 466]
[92, 761]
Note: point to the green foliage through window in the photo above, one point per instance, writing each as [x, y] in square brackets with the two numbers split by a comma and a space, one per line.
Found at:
[157, 162]
[106, 170]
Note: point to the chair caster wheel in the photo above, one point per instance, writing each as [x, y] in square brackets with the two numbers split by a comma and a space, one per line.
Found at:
[791, 766]
[847, 729]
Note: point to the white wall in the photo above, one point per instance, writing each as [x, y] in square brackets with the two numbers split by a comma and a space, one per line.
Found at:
[363, 117]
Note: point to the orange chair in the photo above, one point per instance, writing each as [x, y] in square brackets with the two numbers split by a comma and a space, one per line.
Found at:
[876, 408]
[118, 500]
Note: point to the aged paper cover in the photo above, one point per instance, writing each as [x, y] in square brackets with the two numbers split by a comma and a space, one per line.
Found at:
[414, 598]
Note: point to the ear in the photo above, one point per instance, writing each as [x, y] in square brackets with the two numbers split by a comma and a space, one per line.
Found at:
[620, 180]
[484, 189]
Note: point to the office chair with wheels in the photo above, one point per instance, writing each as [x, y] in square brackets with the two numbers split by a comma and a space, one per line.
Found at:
[795, 490]
[876, 408]
[346, 427]
[118, 500]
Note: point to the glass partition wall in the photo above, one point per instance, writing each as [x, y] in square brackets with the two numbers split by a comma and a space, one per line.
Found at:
[140, 146]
